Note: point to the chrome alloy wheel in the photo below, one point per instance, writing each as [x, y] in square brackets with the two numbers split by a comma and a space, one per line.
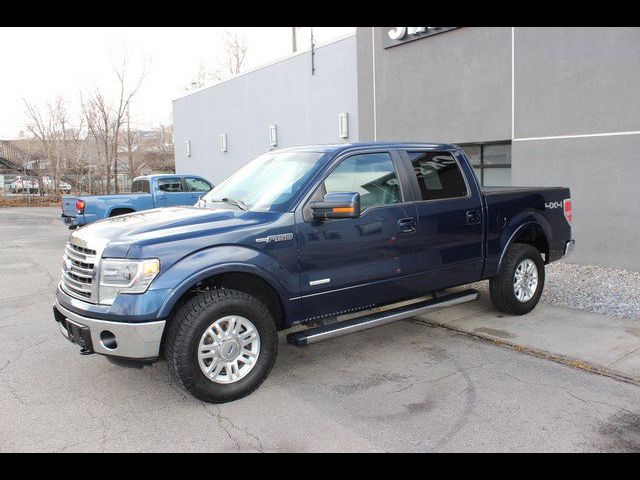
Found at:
[228, 349]
[525, 280]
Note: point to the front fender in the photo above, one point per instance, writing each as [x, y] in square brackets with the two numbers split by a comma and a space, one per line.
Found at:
[203, 264]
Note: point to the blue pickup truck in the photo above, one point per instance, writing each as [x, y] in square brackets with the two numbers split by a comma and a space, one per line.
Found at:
[147, 192]
[333, 238]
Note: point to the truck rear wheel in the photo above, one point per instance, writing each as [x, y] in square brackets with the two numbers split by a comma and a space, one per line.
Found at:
[517, 288]
[221, 345]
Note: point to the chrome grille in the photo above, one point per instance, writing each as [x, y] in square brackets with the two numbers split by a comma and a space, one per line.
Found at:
[79, 271]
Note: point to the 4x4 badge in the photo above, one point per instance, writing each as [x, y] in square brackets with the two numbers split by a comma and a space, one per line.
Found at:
[275, 238]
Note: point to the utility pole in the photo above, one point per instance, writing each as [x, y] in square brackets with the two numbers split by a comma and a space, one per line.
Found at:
[294, 42]
[313, 54]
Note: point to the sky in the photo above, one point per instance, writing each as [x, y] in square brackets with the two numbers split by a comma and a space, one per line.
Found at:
[41, 63]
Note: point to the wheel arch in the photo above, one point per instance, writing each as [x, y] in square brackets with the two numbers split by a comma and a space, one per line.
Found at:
[243, 277]
[531, 233]
[119, 210]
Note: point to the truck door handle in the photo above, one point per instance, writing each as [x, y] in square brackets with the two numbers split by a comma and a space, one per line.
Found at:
[407, 225]
[473, 217]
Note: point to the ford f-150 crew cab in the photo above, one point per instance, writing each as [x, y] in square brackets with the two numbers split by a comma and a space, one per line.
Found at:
[320, 236]
[147, 192]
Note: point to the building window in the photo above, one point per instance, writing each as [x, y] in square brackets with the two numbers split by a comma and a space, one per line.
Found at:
[491, 162]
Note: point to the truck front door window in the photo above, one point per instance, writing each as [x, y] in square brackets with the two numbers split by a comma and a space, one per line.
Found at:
[196, 185]
[372, 175]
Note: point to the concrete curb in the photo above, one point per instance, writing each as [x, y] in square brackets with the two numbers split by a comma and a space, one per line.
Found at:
[536, 352]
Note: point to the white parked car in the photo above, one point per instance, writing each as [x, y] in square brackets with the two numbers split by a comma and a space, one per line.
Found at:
[24, 184]
[63, 187]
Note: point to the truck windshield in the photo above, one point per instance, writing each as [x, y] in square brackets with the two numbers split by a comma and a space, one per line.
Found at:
[268, 183]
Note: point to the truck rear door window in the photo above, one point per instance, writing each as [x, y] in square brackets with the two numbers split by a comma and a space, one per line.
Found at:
[170, 185]
[438, 175]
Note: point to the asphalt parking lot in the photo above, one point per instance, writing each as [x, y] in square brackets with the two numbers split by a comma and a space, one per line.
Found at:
[401, 387]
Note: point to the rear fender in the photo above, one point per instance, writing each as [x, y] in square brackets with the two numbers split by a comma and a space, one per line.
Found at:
[517, 225]
[111, 208]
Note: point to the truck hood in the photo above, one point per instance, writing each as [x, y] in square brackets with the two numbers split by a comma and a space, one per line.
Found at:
[168, 225]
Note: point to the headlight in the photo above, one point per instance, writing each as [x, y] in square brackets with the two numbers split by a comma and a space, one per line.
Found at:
[125, 276]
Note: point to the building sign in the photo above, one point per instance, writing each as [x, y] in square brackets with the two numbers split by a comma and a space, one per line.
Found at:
[398, 35]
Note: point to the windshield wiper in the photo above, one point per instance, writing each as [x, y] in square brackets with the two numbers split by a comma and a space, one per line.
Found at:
[236, 203]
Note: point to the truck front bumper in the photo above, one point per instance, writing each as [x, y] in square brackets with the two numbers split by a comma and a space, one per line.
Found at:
[130, 341]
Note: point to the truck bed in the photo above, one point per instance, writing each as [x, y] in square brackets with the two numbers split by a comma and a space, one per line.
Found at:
[487, 191]
[508, 206]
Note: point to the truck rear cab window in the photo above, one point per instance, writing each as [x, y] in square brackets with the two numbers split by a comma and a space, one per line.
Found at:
[140, 186]
[170, 185]
[438, 175]
[372, 175]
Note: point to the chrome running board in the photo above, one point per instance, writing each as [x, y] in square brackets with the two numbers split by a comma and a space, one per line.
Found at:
[325, 332]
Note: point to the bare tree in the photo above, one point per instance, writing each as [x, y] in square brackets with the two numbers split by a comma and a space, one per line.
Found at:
[235, 52]
[235, 49]
[157, 149]
[203, 75]
[50, 129]
[134, 149]
[122, 109]
[98, 115]
[105, 119]
[77, 154]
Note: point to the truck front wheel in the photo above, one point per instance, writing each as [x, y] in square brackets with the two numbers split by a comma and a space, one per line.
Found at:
[517, 288]
[221, 345]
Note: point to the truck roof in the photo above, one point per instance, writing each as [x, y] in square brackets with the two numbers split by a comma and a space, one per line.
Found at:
[157, 175]
[340, 147]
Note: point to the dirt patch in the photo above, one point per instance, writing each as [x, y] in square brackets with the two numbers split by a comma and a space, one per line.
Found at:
[23, 201]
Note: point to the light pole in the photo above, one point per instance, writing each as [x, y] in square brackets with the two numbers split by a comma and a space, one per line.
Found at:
[294, 40]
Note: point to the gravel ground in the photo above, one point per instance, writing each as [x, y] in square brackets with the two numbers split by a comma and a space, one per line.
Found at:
[609, 291]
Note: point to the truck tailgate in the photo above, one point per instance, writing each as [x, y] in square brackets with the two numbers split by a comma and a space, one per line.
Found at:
[69, 206]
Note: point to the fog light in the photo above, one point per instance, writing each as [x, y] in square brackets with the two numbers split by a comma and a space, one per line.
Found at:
[108, 340]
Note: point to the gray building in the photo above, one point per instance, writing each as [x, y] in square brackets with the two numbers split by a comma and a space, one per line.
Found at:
[531, 106]
[283, 99]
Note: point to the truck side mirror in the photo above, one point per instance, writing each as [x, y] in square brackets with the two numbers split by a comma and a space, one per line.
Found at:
[337, 205]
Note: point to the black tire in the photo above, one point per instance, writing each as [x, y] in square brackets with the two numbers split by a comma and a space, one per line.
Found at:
[190, 323]
[501, 288]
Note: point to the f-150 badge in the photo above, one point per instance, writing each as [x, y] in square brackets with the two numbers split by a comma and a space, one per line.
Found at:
[275, 238]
